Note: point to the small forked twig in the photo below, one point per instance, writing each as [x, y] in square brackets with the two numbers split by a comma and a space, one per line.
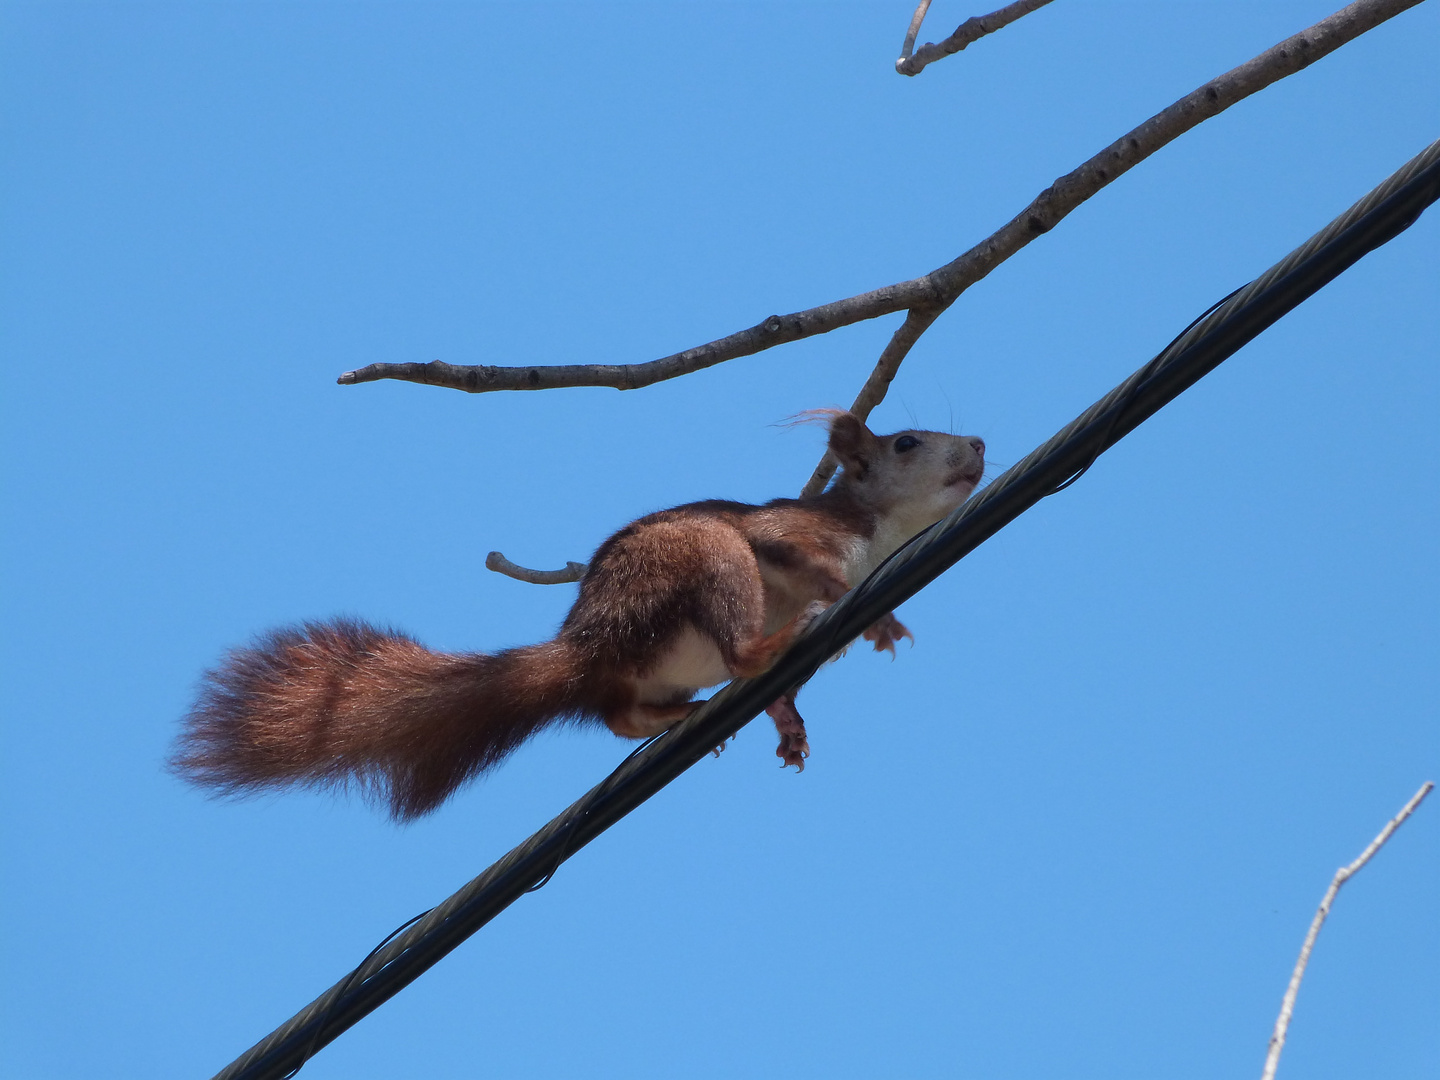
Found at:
[967, 33]
[573, 571]
[1344, 874]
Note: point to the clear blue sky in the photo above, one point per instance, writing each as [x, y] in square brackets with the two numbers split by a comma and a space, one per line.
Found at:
[1078, 830]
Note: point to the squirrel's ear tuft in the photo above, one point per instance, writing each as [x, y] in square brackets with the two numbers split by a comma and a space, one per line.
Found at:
[852, 444]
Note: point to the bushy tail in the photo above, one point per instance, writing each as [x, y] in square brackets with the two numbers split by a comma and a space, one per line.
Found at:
[336, 703]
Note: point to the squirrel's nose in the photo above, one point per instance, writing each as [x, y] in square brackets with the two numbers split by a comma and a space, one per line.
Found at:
[979, 445]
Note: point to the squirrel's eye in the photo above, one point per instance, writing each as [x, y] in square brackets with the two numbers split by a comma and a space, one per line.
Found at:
[906, 442]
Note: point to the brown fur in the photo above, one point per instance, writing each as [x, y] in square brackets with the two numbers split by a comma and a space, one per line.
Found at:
[675, 601]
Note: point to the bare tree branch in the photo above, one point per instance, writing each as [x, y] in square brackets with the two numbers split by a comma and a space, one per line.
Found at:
[971, 30]
[1344, 874]
[573, 571]
[776, 330]
[940, 287]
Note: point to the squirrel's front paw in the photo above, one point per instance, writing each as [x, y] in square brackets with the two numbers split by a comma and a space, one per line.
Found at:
[886, 632]
[794, 747]
[813, 611]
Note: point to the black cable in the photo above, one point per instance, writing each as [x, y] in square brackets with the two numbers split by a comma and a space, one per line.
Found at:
[591, 798]
[1375, 219]
[572, 820]
[324, 1021]
[1134, 383]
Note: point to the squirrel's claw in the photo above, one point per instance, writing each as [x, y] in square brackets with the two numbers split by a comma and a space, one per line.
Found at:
[793, 752]
[886, 632]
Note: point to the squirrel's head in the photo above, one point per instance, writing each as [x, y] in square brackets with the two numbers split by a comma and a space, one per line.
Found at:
[916, 477]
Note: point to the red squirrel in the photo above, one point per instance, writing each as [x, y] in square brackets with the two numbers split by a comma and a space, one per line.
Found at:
[677, 601]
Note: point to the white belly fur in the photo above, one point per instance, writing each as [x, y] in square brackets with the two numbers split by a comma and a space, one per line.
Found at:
[691, 662]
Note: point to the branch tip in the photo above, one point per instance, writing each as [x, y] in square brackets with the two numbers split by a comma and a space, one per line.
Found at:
[1287, 1005]
[497, 562]
[967, 33]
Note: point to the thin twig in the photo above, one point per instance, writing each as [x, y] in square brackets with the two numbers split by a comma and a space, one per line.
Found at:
[1287, 1007]
[917, 321]
[968, 32]
[942, 286]
[914, 28]
[573, 571]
